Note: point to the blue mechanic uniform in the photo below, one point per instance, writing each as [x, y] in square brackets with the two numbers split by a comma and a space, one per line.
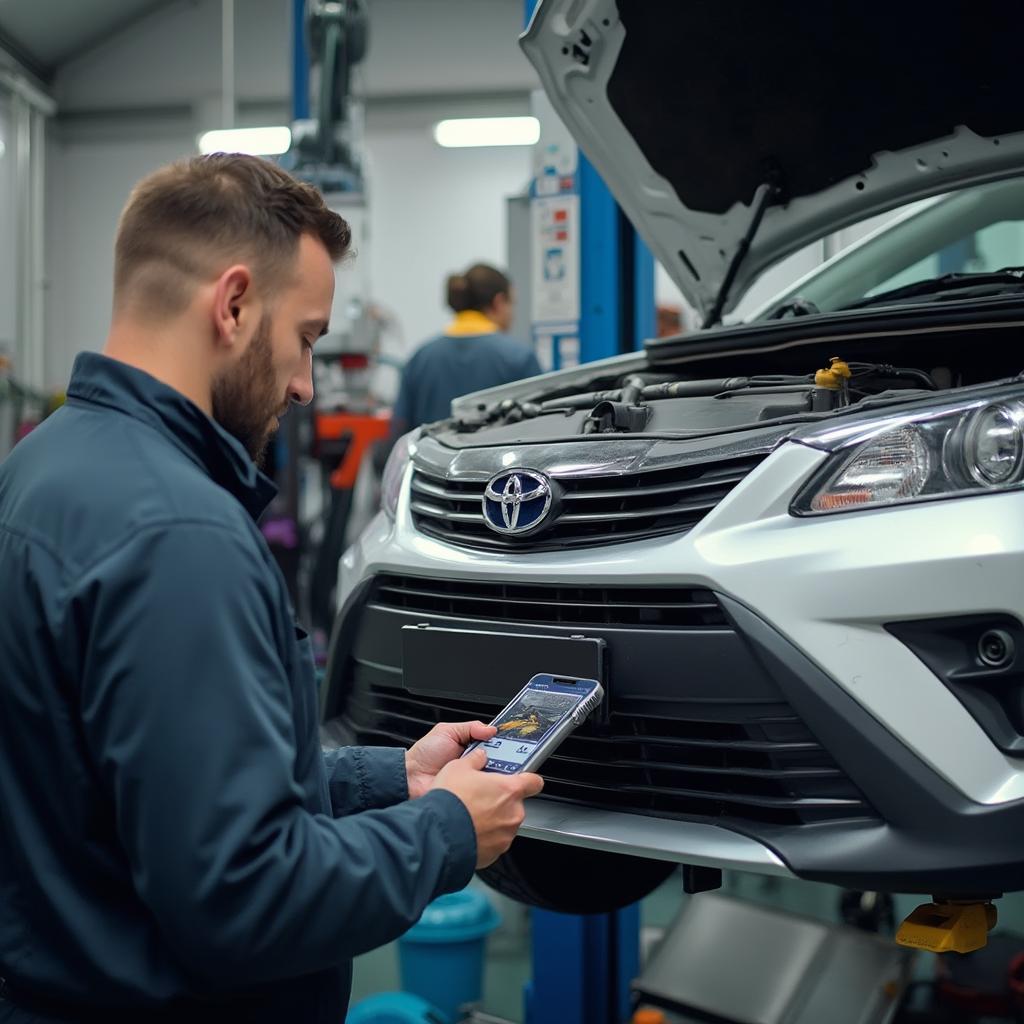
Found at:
[174, 844]
[471, 355]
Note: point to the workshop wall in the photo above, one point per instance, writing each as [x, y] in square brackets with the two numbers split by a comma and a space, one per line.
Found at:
[87, 184]
[139, 100]
[431, 212]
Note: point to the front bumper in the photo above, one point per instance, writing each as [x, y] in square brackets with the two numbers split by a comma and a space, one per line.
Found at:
[931, 804]
[687, 842]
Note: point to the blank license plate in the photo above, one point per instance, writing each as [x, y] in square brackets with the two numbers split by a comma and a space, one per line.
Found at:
[491, 667]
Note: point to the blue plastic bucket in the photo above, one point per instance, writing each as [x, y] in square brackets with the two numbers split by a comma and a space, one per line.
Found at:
[441, 958]
[394, 1008]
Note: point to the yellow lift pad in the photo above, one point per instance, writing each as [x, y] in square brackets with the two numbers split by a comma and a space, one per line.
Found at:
[948, 927]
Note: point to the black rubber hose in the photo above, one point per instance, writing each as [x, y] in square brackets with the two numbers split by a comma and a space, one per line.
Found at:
[674, 389]
[695, 388]
[632, 390]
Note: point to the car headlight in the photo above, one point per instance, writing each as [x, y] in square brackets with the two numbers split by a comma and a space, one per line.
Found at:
[994, 445]
[394, 471]
[971, 449]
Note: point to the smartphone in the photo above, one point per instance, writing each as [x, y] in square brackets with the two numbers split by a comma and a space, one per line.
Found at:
[536, 720]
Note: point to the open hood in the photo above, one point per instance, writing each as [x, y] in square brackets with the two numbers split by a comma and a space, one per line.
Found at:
[697, 112]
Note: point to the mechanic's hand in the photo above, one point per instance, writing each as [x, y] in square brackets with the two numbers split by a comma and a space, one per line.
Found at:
[444, 743]
[494, 802]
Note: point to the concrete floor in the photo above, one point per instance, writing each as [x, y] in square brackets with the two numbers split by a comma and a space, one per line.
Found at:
[507, 965]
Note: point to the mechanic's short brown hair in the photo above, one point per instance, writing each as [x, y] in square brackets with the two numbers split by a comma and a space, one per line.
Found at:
[186, 222]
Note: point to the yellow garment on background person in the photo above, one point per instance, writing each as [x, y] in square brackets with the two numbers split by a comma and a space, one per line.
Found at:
[469, 322]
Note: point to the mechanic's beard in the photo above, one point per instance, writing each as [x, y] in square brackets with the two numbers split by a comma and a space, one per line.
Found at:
[245, 396]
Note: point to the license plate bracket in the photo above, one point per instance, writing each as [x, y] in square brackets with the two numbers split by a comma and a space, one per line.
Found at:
[436, 662]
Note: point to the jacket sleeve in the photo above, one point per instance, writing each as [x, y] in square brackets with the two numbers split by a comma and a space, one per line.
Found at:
[531, 365]
[403, 413]
[188, 714]
[363, 778]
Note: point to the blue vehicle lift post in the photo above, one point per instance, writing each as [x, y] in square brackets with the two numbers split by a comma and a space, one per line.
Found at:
[616, 274]
[582, 965]
[300, 62]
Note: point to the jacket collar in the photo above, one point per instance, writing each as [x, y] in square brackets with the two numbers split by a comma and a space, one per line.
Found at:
[99, 380]
[470, 322]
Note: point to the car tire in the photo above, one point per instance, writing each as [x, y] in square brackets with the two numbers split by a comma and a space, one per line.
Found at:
[572, 880]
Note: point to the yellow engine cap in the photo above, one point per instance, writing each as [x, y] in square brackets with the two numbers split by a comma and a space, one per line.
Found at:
[948, 927]
[834, 376]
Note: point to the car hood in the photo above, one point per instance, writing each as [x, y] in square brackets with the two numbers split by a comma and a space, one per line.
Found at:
[693, 110]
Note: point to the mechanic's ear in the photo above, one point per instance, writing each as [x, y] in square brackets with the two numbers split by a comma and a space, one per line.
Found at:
[232, 302]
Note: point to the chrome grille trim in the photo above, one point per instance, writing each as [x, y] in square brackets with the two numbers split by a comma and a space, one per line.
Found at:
[593, 510]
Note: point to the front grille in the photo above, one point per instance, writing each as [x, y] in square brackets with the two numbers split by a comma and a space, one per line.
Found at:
[543, 604]
[756, 763]
[717, 742]
[593, 510]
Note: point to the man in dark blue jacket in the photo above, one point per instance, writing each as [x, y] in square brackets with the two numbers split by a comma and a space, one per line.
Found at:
[174, 845]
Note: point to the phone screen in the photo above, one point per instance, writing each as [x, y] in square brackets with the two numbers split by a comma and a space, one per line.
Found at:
[528, 720]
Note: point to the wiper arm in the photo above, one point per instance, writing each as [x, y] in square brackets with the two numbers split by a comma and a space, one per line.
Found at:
[795, 307]
[1013, 276]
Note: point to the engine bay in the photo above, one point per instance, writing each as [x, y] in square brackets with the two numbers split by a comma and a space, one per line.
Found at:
[744, 389]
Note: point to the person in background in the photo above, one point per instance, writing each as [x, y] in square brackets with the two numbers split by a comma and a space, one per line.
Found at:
[669, 320]
[474, 352]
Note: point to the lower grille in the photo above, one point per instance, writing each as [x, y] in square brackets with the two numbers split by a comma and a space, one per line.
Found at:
[757, 763]
[694, 726]
[590, 511]
[542, 604]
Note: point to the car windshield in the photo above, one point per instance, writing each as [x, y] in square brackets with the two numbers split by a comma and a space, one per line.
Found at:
[976, 230]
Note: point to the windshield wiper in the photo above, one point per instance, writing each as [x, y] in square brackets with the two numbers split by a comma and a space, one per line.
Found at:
[795, 307]
[986, 283]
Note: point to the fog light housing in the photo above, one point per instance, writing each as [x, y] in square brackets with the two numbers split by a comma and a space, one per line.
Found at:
[976, 658]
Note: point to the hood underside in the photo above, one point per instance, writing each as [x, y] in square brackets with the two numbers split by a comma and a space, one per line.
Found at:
[691, 109]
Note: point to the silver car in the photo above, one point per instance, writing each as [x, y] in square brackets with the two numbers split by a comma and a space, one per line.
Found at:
[792, 547]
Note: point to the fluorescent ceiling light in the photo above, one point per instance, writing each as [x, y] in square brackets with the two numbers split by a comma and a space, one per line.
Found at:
[255, 141]
[487, 131]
